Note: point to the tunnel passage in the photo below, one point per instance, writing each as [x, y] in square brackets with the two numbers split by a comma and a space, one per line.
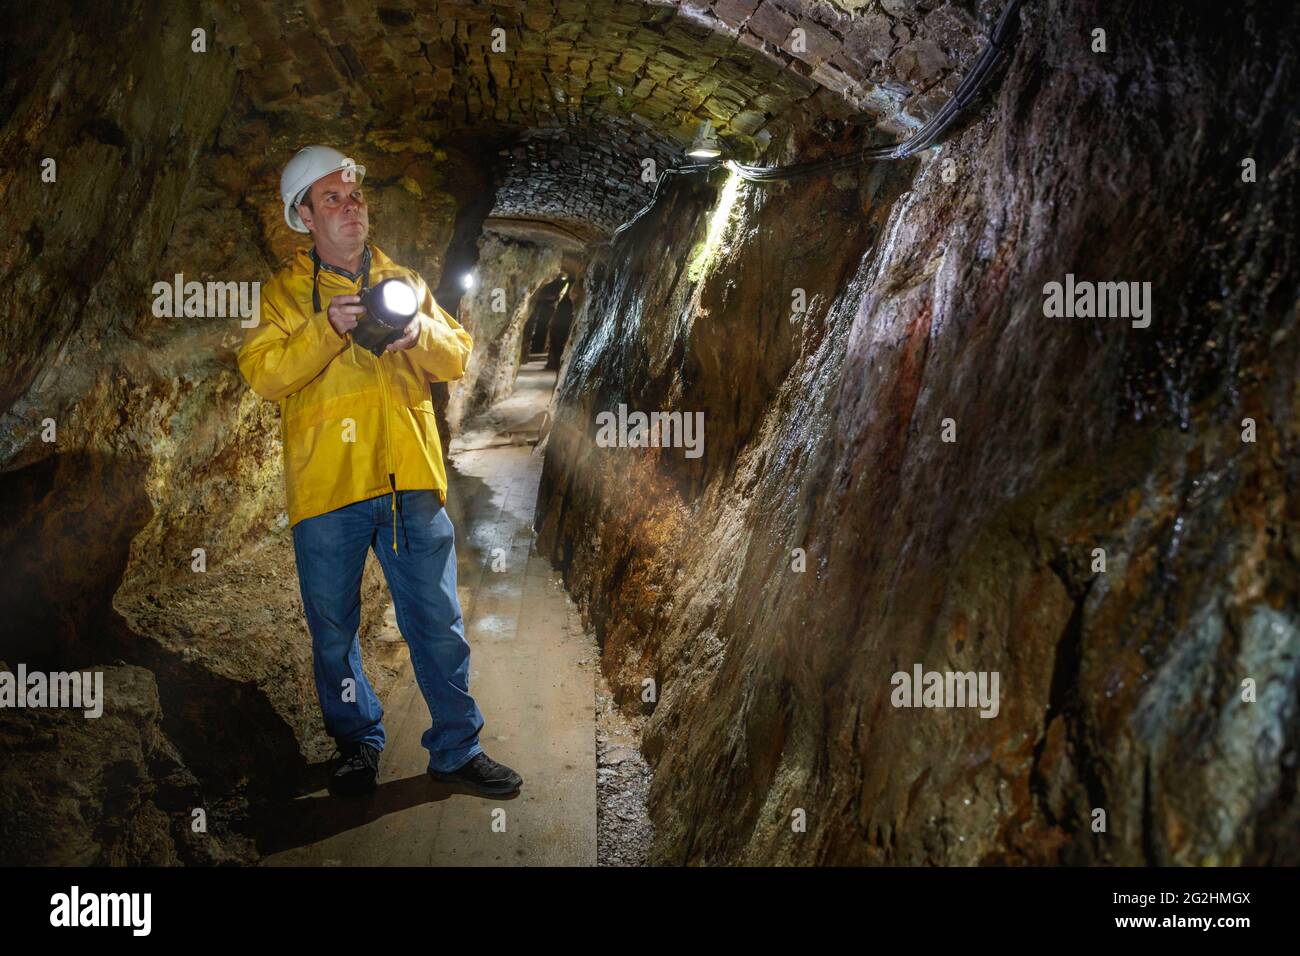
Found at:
[547, 329]
[828, 329]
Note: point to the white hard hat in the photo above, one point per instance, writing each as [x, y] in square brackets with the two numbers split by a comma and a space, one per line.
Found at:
[308, 165]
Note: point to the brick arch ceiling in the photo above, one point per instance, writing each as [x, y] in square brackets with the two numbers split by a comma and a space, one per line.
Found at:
[599, 84]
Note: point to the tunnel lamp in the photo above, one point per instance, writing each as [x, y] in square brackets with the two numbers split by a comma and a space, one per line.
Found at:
[390, 307]
[467, 280]
[705, 145]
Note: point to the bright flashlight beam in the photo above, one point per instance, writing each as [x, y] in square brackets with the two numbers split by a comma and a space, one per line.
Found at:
[399, 298]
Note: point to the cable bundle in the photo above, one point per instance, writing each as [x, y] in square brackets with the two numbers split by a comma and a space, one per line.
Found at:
[923, 138]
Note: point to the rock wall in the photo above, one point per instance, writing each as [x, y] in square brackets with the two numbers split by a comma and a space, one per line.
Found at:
[107, 791]
[1120, 690]
[122, 137]
[510, 273]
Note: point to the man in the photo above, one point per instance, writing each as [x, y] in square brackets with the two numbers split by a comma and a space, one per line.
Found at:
[361, 456]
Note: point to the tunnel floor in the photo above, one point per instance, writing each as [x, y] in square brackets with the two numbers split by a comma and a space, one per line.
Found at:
[532, 672]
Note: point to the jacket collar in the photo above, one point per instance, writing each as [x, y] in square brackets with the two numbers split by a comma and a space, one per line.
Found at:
[362, 269]
[302, 264]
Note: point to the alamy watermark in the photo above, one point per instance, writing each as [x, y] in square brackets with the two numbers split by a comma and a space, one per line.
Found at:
[59, 689]
[1099, 300]
[655, 430]
[211, 300]
[75, 908]
[923, 688]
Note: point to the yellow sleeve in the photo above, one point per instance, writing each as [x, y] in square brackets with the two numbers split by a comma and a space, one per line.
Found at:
[276, 361]
[442, 349]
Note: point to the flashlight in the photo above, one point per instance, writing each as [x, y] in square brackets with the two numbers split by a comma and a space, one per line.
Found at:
[390, 307]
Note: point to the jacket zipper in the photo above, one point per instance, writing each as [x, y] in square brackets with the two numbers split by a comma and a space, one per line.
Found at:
[388, 439]
[388, 442]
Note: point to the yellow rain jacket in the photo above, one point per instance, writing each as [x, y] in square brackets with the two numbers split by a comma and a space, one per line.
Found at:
[353, 425]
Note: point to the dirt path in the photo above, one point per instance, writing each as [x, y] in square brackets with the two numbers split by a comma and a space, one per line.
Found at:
[532, 671]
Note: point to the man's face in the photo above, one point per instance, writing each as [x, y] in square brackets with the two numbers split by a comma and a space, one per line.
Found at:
[337, 217]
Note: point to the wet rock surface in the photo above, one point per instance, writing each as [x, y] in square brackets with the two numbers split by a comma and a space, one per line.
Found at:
[1120, 690]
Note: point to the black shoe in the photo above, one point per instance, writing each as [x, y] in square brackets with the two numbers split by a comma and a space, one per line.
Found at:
[355, 770]
[483, 775]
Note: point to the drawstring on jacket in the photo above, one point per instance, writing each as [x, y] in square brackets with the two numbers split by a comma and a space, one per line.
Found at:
[392, 482]
[398, 515]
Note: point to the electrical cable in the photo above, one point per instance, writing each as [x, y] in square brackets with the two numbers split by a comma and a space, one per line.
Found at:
[654, 195]
[923, 138]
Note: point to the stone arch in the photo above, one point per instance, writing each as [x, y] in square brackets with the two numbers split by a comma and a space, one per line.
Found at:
[596, 86]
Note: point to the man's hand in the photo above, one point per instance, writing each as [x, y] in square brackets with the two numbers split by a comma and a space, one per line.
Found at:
[344, 310]
[408, 338]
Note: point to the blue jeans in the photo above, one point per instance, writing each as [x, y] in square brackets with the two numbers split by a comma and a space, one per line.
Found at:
[331, 555]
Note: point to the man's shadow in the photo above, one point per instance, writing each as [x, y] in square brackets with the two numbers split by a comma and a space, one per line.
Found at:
[315, 814]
